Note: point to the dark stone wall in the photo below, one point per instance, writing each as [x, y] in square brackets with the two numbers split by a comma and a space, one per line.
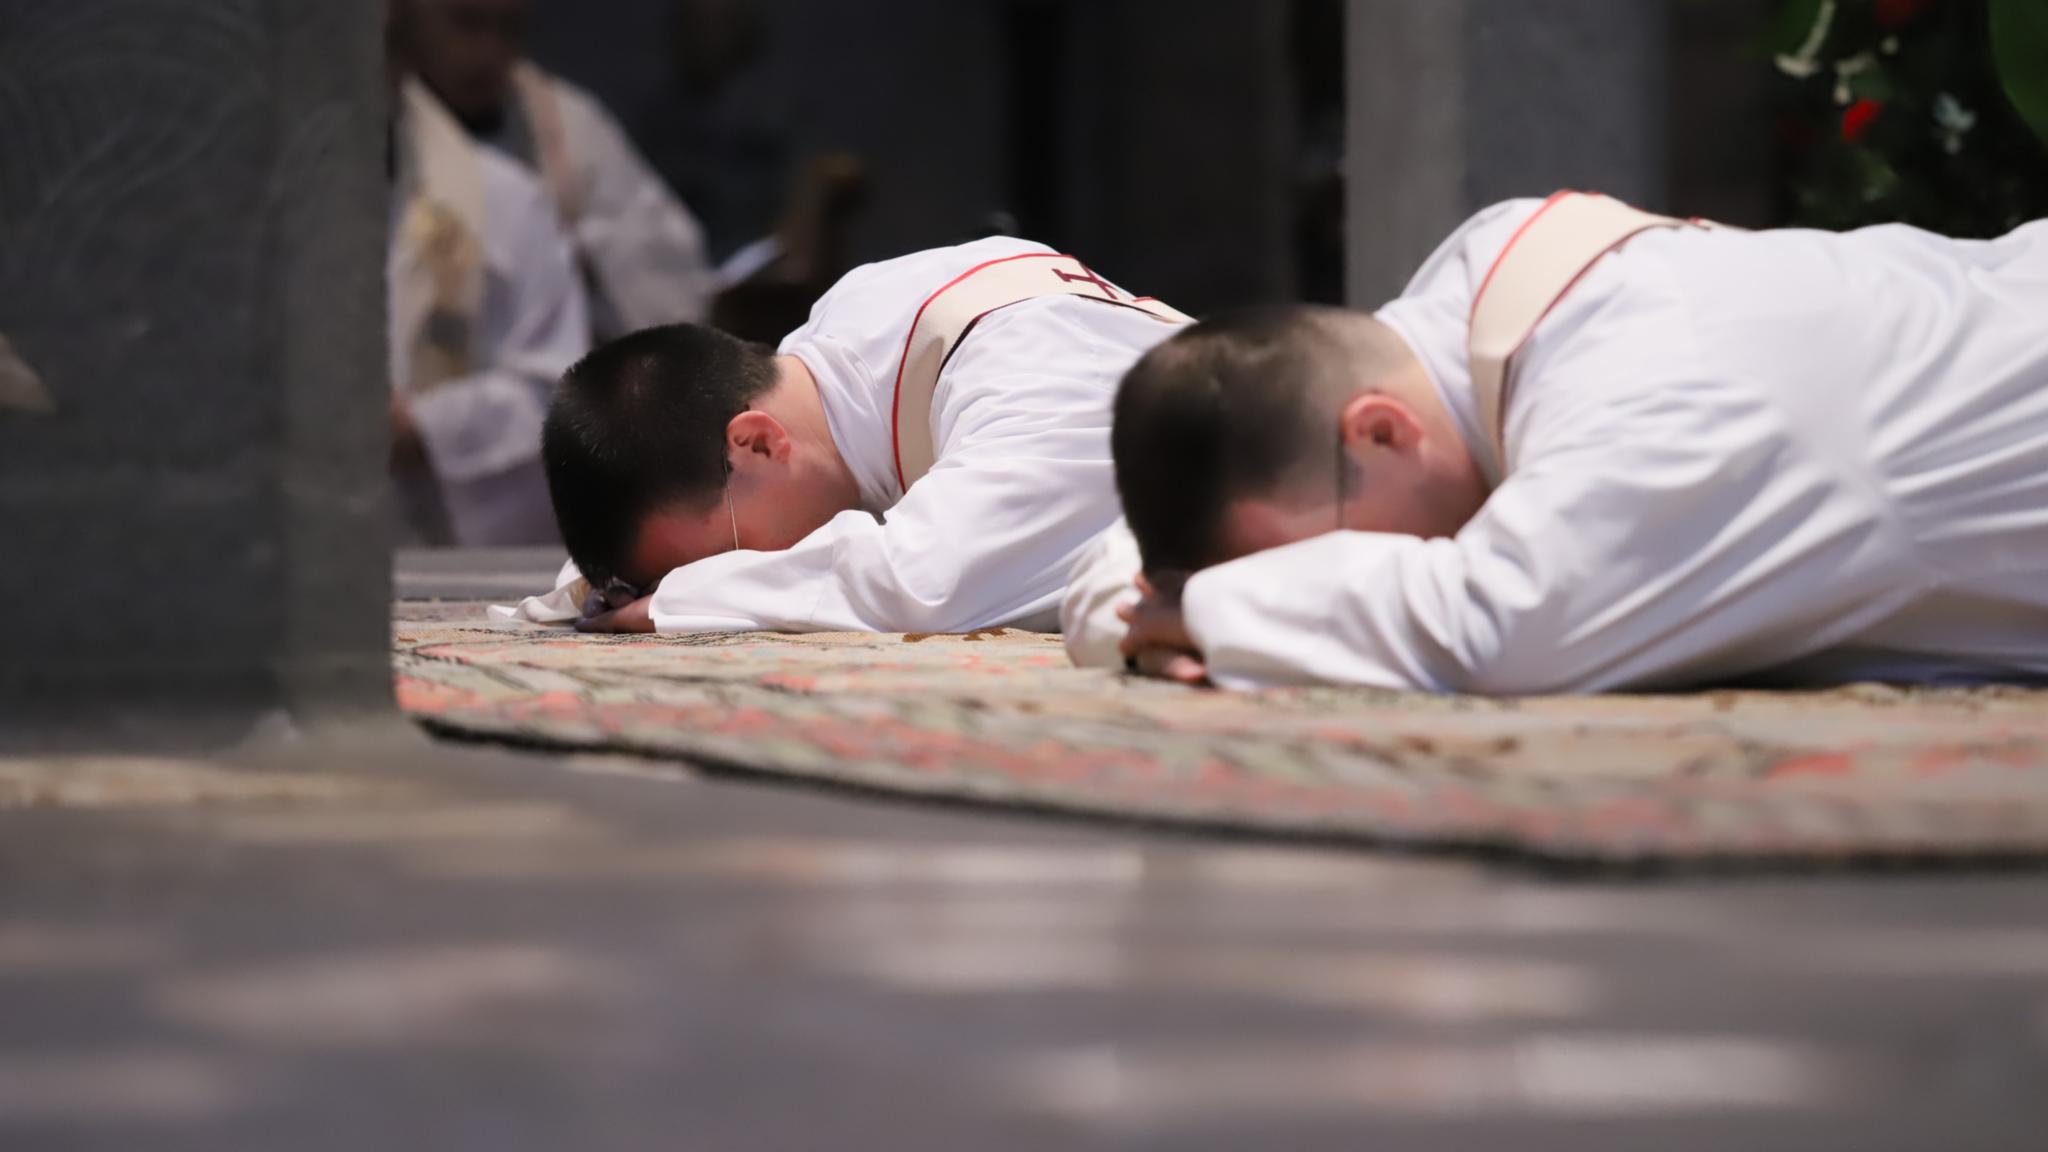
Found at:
[1156, 137]
[1152, 137]
[914, 87]
[1457, 104]
[1567, 94]
[1181, 156]
[192, 215]
[1724, 132]
[1405, 153]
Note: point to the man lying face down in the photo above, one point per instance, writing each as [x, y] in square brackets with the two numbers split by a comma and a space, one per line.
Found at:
[1644, 454]
[929, 453]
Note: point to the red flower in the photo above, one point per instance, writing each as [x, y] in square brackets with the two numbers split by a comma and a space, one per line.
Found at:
[1856, 119]
[1898, 13]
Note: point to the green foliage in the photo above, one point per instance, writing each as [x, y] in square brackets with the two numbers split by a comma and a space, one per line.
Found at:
[1894, 111]
[1795, 22]
[2019, 42]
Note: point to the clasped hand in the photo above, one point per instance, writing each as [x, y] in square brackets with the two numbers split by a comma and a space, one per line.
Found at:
[616, 608]
[1156, 642]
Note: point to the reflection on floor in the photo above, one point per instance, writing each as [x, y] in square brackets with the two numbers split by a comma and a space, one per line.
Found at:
[372, 941]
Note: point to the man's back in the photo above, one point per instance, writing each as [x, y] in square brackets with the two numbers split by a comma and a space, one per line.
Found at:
[1917, 365]
[855, 340]
[643, 251]
[1879, 397]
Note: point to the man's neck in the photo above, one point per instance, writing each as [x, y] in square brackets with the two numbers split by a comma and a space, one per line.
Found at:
[1459, 483]
[795, 402]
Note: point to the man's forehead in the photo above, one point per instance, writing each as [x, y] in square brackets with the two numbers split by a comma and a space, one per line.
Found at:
[1250, 525]
[676, 536]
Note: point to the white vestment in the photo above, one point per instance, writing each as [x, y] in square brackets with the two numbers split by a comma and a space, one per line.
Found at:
[643, 253]
[482, 428]
[1790, 455]
[1022, 481]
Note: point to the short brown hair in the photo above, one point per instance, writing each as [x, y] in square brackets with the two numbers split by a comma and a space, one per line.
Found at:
[1226, 409]
[639, 424]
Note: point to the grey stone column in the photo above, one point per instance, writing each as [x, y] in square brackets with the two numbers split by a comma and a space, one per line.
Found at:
[193, 387]
[1456, 104]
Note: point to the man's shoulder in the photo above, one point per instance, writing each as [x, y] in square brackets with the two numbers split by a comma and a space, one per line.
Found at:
[565, 89]
[872, 307]
[1473, 246]
[580, 109]
[1440, 294]
[925, 272]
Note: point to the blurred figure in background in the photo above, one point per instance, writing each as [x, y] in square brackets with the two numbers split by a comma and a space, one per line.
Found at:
[486, 312]
[719, 132]
[772, 283]
[777, 223]
[642, 254]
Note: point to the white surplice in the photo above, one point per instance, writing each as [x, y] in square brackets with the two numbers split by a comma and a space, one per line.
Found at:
[1794, 455]
[644, 253]
[482, 430]
[1022, 483]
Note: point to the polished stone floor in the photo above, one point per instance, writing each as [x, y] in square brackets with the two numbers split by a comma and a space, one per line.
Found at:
[361, 940]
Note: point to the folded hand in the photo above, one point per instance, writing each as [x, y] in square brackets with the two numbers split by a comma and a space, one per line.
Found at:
[634, 617]
[1157, 643]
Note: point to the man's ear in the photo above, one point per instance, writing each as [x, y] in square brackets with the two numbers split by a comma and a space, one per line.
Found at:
[1375, 419]
[757, 436]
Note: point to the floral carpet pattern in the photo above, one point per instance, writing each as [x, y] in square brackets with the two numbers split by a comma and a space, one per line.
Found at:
[1861, 775]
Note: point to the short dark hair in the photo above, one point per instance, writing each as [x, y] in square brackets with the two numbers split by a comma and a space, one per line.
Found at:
[1226, 409]
[639, 424]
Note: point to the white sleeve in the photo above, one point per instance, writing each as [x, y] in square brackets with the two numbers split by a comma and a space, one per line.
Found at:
[1102, 582]
[1648, 568]
[535, 325]
[645, 248]
[987, 537]
[562, 605]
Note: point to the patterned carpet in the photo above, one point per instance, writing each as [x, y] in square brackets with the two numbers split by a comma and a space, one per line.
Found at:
[1863, 775]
